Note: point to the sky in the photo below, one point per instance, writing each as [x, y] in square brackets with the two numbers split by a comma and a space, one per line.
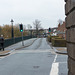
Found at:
[26, 11]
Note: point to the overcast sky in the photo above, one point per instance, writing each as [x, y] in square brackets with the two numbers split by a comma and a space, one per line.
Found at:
[26, 11]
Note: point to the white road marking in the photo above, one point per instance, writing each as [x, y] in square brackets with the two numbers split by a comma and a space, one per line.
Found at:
[31, 51]
[55, 59]
[54, 70]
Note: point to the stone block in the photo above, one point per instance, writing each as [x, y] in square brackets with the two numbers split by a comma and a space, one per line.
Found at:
[71, 50]
[72, 35]
[70, 4]
[68, 35]
[67, 7]
[73, 18]
[69, 73]
[69, 63]
[70, 19]
[71, 66]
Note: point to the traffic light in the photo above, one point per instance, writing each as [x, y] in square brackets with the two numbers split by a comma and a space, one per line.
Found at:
[21, 28]
[49, 29]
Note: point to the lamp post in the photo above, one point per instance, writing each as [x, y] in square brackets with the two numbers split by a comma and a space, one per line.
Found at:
[12, 31]
[31, 30]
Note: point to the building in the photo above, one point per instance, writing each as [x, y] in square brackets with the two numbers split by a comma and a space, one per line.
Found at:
[61, 30]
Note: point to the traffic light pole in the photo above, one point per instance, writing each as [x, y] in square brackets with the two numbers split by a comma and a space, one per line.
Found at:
[21, 30]
[22, 39]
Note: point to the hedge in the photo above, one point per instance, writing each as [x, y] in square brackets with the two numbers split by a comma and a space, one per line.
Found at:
[59, 42]
[55, 38]
[50, 38]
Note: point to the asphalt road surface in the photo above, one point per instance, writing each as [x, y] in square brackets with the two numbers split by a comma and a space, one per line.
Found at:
[37, 59]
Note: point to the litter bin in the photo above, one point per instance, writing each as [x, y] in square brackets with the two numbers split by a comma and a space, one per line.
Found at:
[1, 43]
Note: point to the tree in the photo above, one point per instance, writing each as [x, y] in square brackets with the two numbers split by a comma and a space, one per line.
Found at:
[37, 26]
[17, 32]
[6, 31]
[29, 28]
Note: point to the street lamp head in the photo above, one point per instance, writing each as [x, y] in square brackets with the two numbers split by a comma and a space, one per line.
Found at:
[11, 20]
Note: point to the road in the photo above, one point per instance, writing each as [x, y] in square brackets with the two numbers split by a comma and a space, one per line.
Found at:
[37, 59]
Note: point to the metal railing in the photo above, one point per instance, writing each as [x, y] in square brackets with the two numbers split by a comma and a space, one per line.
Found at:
[12, 41]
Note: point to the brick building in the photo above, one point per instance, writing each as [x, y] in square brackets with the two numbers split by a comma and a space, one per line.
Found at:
[61, 30]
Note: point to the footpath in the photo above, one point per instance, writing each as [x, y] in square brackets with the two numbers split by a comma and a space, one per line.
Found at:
[17, 46]
[59, 50]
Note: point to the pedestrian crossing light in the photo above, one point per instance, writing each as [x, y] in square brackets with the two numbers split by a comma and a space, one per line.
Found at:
[49, 29]
[21, 27]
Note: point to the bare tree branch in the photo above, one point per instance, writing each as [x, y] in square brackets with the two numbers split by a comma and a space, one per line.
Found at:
[37, 26]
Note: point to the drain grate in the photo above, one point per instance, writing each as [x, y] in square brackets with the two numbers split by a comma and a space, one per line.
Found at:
[36, 67]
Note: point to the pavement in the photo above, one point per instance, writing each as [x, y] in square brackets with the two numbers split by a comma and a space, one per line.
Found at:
[17, 46]
[4, 53]
[59, 50]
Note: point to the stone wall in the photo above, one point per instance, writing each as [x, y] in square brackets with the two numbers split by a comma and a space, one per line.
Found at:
[70, 25]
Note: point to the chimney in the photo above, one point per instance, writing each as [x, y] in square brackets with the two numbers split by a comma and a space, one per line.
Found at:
[59, 25]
